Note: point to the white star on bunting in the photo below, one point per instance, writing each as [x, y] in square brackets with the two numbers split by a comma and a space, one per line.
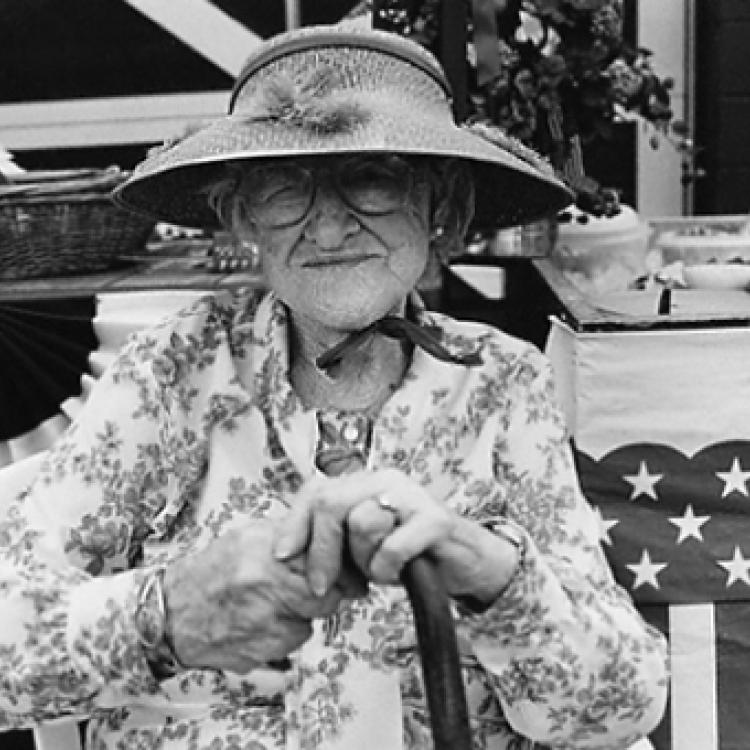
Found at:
[737, 568]
[646, 571]
[689, 525]
[643, 482]
[604, 524]
[735, 479]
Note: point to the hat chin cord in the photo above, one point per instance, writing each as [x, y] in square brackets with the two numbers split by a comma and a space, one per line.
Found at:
[396, 327]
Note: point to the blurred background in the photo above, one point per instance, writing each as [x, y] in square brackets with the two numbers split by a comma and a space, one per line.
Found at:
[97, 82]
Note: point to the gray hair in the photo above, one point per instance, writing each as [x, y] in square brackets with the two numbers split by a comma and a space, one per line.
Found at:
[452, 201]
[452, 188]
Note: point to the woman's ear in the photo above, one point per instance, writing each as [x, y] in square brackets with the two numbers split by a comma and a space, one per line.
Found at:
[440, 242]
[452, 207]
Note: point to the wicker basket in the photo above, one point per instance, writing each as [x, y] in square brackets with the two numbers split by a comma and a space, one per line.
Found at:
[67, 226]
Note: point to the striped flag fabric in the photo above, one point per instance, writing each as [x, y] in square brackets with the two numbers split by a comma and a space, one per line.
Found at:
[660, 421]
[676, 531]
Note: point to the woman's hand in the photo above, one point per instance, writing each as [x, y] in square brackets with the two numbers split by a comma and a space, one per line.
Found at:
[382, 520]
[233, 605]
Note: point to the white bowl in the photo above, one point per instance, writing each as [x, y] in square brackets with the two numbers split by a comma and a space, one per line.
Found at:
[698, 249]
[717, 276]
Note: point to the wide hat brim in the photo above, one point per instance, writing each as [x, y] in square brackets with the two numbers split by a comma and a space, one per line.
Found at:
[513, 185]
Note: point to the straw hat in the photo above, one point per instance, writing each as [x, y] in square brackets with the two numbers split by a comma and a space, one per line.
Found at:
[327, 90]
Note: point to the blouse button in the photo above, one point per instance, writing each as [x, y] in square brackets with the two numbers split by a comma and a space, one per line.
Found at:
[350, 432]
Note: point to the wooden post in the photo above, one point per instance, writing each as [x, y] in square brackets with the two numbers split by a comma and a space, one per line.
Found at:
[451, 49]
[453, 52]
[293, 14]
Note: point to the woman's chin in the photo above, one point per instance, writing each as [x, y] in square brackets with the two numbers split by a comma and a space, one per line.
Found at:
[349, 310]
[354, 320]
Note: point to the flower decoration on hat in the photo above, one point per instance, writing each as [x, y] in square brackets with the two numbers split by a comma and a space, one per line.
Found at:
[312, 105]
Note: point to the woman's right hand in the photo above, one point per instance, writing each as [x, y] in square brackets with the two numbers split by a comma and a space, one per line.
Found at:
[233, 606]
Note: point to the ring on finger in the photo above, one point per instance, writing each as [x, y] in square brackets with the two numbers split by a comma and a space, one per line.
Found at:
[385, 503]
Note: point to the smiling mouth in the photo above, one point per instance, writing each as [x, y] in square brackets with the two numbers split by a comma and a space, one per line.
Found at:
[338, 261]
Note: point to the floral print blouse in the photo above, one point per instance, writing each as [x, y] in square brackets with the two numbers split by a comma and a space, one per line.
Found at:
[195, 428]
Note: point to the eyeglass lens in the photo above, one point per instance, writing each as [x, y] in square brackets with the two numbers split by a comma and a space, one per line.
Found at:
[282, 195]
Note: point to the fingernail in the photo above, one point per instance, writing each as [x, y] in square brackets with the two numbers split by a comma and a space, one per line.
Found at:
[282, 548]
[318, 583]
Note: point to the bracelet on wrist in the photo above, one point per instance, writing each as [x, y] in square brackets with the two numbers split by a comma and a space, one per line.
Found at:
[151, 627]
[508, 533]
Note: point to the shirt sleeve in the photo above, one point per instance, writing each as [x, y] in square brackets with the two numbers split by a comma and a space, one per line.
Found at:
[570, 658]
[68, 546]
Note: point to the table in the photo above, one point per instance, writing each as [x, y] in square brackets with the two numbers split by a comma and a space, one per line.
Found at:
[151, 274]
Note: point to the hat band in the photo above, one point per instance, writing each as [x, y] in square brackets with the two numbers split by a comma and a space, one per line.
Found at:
[335, 39]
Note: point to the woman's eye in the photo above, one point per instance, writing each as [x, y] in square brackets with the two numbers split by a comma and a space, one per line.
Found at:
[374, 189]
[283, 194]
[372, 174]
[277, 187]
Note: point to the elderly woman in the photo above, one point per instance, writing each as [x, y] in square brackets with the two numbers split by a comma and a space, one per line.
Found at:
[210, 556]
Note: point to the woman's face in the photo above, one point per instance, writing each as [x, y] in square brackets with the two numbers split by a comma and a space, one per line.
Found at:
[344, 240]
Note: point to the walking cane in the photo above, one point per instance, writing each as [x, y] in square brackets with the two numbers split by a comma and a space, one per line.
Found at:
[441, 667]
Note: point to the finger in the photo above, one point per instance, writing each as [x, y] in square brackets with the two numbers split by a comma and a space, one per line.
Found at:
[293, 599]
[403, 493]
[319, 513]
[420, 533]
[326, 547]
[348, 489]
[367, 525]
[421, 521]
[296, 564]
[292, 533]
[316, 522]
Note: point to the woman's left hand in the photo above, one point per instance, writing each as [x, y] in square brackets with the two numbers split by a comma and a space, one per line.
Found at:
[382, 520]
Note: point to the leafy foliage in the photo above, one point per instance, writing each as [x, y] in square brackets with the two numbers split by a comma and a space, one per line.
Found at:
[562, 75]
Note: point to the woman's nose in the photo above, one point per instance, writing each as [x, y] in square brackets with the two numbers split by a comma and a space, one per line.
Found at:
[330, 220]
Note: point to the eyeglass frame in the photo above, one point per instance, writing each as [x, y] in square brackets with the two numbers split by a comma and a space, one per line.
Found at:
[316, 168]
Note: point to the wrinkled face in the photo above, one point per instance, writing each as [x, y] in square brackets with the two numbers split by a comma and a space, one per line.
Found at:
[344, 240]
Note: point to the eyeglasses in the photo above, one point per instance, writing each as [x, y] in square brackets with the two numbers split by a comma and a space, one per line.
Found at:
[281, 195]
